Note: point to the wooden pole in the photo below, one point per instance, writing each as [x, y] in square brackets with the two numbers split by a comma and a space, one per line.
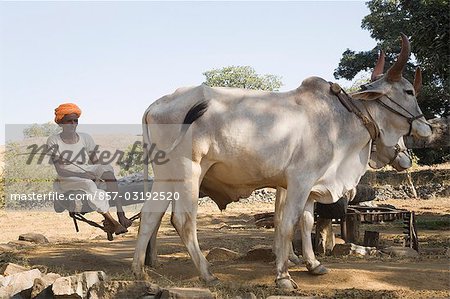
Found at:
[344, 229]
[352, 226]
[411, 184]
[371, 238]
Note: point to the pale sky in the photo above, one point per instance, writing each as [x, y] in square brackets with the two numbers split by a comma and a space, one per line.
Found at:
[115, 58]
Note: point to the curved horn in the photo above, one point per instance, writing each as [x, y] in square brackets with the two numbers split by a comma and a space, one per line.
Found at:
[395, 72]
[379, 67]
[418, 81]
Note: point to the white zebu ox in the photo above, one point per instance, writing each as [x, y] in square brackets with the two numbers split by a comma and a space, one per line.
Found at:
[299, 140]
[397, 157]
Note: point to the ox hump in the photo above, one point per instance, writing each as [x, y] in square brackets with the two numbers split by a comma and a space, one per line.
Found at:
[314, 83]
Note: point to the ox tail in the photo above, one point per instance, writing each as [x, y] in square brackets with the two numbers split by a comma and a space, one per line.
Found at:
[145, 148]
[192, 115]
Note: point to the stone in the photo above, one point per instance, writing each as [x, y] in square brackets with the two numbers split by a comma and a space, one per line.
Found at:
[447, 252]
[77, 286]
[397, 251]
[34, 238]
[353, 249]
[42, 284]
[246, 296]
[342, 249]
[67, 287]
[216, 221]
[339, 241]
[224, 226]
[363, 250]
[369, 204]
[11, 268]
[123, 289]
[21, 244]
[260, 253]
[4, 280]
[186, 293]
[292, 297]
[433, 251]
[221, 254]
[7, 248]
[445, 192]
[237, 226]
[19, 283]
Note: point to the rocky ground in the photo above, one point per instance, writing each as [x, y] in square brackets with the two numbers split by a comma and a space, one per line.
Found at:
[405, 192]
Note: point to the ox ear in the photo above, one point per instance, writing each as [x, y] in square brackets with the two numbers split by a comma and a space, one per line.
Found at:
[368, 95]
[417, 81]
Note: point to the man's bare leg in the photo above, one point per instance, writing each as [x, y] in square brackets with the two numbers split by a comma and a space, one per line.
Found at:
[112, 186]
[111, 224]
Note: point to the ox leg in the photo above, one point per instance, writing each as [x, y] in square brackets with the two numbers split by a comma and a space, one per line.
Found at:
[325, 239]
[151, 256]
[331, 239]
[184, 219]
[290, 211]
[307, 222]
[279, 202]
[151, 215]
[321, 236]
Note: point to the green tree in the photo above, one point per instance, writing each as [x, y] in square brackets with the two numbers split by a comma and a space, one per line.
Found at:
[242, 77]
[41, 130]
[427, 23]
[133, 160]
[2, 190]
[25, 174]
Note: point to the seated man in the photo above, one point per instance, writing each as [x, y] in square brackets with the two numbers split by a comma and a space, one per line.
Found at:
[73, 155]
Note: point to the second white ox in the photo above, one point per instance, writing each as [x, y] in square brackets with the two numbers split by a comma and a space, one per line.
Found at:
[303, 140]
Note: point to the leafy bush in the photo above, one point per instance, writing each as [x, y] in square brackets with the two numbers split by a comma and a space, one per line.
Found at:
[42, 130]
[2, 191]
[133, 160]
[241, 77]
[25, 176]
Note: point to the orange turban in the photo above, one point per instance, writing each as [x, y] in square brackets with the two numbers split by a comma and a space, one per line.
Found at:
[64, 109]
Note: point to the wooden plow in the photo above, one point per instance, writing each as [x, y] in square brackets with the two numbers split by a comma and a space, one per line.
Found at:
[357, 215]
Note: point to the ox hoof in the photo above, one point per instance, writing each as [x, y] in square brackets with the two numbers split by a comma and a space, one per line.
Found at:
[286, 283]
[139, 275]
[319, 270]
[154, 263]
[295, 259]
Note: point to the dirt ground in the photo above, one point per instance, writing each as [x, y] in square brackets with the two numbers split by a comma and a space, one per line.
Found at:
[351, 277]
